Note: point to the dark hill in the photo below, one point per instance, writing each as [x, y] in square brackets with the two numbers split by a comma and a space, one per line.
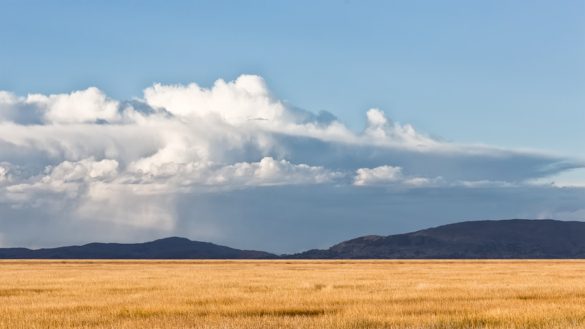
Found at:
[169, 248]
[517, 238]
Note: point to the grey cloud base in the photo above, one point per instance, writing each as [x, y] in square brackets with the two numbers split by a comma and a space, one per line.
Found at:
[285, 219]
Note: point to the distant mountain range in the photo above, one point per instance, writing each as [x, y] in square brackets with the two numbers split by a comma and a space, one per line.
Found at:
[516, 238]
[501, 239]
[169, 248]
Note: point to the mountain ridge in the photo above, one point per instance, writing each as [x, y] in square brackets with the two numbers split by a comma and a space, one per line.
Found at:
[165, 248]
[497, 239]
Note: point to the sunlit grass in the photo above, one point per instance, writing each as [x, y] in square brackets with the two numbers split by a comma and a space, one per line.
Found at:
[292, 294]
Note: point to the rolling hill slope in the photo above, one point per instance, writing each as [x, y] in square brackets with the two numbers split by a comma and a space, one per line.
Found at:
[515, 238]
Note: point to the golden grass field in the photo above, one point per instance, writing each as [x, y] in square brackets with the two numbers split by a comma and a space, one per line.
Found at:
[292, 294]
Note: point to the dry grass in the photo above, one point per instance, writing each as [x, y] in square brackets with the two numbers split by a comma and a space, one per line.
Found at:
[292, 294]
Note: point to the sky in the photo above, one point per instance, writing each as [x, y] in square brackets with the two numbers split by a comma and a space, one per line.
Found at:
[285, 126]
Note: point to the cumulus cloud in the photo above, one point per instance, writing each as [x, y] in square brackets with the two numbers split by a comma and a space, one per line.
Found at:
[381, 129]
[3, 174]
[378, 175]
[144, 198]
[269, 171]
[389, 175]
[237, 102]
[85, 106]
[128, 162]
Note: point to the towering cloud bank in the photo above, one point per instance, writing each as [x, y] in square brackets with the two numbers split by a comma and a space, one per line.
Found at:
[92, 158]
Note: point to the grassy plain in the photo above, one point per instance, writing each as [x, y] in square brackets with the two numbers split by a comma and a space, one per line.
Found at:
[292, 294]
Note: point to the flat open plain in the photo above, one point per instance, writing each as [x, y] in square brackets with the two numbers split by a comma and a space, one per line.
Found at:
[292, 294]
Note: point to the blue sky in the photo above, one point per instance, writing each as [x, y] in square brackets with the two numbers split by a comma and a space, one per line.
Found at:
[498, 72]
[488, 96]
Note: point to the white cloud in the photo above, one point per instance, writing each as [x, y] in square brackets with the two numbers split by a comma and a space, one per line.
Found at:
[483, 183]
[423, 181]
[3, 174]
[84, 169]
[377, 176]
[97, 158]
[382, 130]
[100, 190]
[85, 106]
[272, 172]
[391, 175]
[243, 100]
[67, 180]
